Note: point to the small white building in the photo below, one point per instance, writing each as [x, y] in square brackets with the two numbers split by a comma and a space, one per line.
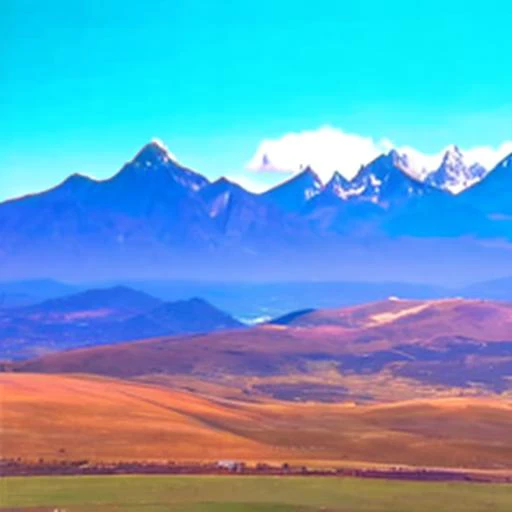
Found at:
[230, 465]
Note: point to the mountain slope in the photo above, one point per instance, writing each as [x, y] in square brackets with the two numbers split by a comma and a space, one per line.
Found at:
[385, 182]
[119, 300]
[98, 317]
[239, 214]
[180, 317]
[363, 207]
[454, 174]
[425, 348]
[153, 217]
[157, 219]
[293, 194]
[117, 420]
[492, 195]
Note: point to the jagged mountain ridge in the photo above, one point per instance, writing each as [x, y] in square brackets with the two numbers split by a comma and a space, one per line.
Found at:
[156, 217]
[455, 174]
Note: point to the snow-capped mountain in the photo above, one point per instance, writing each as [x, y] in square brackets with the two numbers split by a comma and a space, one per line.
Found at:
[387, 180]
[455, 174]
[384, 181]
[155, 158]
[156, 217]
[340, 187]
[151, 200]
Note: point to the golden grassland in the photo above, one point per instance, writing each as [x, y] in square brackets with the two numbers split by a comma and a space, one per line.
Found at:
[378, 387]
[74, 417]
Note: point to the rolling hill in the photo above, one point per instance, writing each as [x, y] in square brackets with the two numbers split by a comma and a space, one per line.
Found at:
[57, 417]
[100, 316]
[390, 350]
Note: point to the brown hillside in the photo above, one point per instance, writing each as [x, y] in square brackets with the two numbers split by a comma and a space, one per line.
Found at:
[420, 348]
[78, 417]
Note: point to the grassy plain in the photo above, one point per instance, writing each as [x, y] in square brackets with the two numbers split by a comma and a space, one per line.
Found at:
[247, 494]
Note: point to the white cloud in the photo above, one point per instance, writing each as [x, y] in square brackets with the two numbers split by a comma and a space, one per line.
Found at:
[329, 149]
[487, 155]
[325, 150]
[256, 183]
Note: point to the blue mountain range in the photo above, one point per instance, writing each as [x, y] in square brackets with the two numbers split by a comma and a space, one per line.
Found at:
[156, 218]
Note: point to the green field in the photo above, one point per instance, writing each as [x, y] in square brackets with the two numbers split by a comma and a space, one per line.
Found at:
[251, 494]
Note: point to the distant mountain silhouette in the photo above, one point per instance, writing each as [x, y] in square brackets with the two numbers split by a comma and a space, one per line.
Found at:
[454, 174]
[156, 218]
[96, 317]
[119, 300]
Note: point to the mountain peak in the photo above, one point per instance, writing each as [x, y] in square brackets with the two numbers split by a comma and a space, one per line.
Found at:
[153, 152]
[337, 177]
[154, 166]
[310, 182]
[339, 186]
[452, 155]
[77, 179]
[225, 182]
[75, 186]
[307, 173]
[293, 194]
[387, 180]
[455, 174]
[394, 154]
[222, 185]
[221, 189]
[401, 161]
[336, 182]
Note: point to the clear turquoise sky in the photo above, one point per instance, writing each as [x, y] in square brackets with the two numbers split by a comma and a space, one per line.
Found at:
[85, 83]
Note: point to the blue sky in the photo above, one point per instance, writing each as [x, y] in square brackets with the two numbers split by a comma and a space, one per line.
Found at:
[85, 83]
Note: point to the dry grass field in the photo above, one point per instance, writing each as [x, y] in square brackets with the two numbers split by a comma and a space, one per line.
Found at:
[73, 417]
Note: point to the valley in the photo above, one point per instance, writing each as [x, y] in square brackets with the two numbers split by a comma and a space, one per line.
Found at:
[423, 383]
[255, 256]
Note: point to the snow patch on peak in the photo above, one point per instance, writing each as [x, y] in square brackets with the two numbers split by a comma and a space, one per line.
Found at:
[315, 185]
[341, 187]
[160, 145]
[452, 156]
[154, 153]
[155, 162]
[415, 164]
[311, 192]
[455, 174]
